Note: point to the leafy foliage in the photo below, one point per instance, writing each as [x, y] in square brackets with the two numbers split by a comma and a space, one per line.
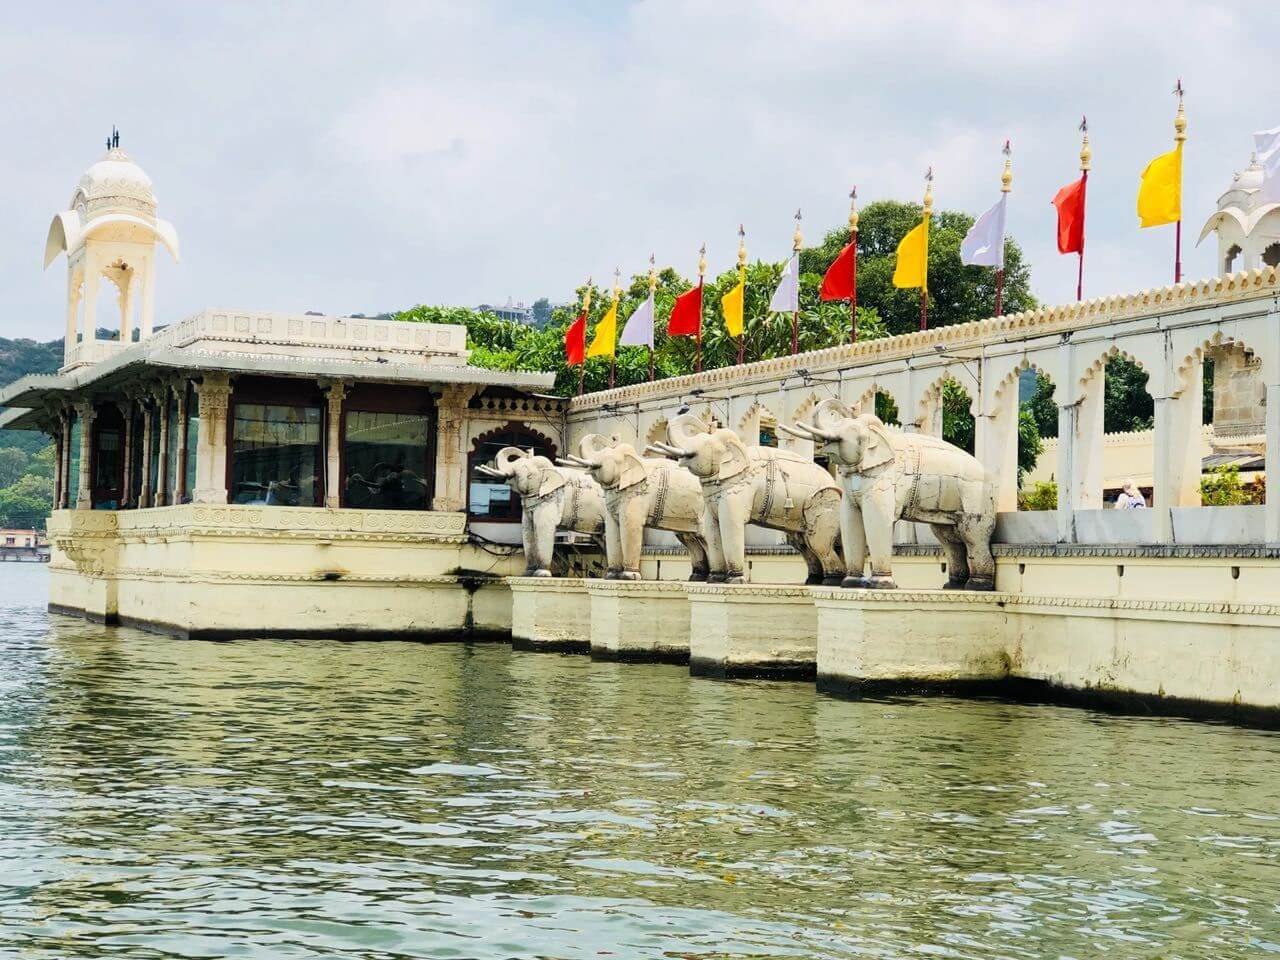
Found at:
[1043, 495]
[1030, 446]
[1222, 487]
[1126, 404]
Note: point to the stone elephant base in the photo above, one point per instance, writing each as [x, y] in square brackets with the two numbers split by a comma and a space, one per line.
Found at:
[550, 614]
[639, 621]
[750, 630]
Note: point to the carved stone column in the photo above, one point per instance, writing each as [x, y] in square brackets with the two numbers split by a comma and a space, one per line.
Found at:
[148, 424]
[451, 454]
[214, 391]
[158, 496]
[126, 472]
[84, 493]
[335, 391]
[64, 499]
[180, 461]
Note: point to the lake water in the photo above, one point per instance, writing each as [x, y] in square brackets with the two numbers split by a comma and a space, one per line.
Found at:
[376, 800]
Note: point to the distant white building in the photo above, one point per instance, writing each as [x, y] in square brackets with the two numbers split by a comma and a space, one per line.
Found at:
[1248, 230]
[510, 311]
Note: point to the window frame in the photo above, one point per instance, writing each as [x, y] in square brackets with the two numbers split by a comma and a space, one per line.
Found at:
[489, 436]
[389, 398]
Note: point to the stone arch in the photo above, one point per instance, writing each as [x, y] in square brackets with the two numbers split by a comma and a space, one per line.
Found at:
[657, 433]
[1230, 258]
[1271, 255]
[512, 433]
[932, 395]
[1099, 363]
[756, 409]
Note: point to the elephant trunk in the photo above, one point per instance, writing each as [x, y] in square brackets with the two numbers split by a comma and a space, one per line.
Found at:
[505, 457]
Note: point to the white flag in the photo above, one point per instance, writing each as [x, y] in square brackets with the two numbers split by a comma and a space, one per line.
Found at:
[639, 329]
[786, 299]
[983, 245]
[1267, 146]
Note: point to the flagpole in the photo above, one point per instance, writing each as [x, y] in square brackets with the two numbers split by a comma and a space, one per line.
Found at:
[853, 265]
[702, 270]
[653, 286]
[586, 310]
[1006, 185]
[742, 279]
[1086, 156]
[617, 297]
[924, 278]
[1179, 137]
[796, 240]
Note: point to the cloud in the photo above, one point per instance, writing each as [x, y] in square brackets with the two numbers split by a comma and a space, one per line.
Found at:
[341, 158]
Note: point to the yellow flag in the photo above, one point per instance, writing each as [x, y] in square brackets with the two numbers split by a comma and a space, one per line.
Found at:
[606, 334]
[1160, 193]
[731, 304]
[913, 258]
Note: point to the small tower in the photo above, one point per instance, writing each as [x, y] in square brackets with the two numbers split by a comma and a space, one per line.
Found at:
[1248, 230]
[110, 231]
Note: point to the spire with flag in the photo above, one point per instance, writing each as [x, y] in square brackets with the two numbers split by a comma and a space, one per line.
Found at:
[1070, 203]
[786, 298]
[983, 245]
[686, 313]
[575, 339]
[912, 268]
[639, 329]
[732, 304]
[604, 343]
[840, 282]
[1160, 190]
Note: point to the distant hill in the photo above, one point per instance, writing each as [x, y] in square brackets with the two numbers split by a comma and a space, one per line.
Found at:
[17, 359]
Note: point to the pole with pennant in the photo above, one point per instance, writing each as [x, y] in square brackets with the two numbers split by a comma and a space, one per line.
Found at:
[1006, 184]
[702, 272]
[924, 275]
[653, 286]
[586, 311]
[617, 298]
[1179, 137]
[853, 265]
[1086, 161]
[742, 287]
[797, 239]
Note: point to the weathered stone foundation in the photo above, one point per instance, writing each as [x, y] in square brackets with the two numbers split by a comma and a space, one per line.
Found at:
[752, 630]
[639, 620]
[550, 614]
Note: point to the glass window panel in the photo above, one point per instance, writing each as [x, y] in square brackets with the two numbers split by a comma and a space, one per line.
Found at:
[193, 436]
[153, 455]
[107, 466]
[386, 460]
[487, 500]
[171, 470]
[136, 455]
[276, 454]
[73, 465]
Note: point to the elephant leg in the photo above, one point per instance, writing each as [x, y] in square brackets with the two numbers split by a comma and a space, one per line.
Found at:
[853, 540]
[694, 546]
[733, 537]
[801, 544]
[823, 522]
[631, 521]
[612, 546]
[715, 549]
[976, 532]
[957, 556]
[878, 515]
[542, 539]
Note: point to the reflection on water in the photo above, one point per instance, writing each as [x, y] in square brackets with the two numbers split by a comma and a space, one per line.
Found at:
[287, 799]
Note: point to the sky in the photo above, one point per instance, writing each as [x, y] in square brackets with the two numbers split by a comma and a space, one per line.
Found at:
[369, 156]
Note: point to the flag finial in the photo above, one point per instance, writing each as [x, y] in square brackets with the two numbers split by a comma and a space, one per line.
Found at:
[1086, 153]
[928, 192]
[1180, 121]
[742, 248]
[853, 210]
[1006, 178]
[702, 261]
[617, 284]
[586, 297]
[797, 238]
[653, 275]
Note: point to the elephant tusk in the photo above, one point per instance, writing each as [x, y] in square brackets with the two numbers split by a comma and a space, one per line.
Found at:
[562, 462]
[489, 472]
[576, 461]
[792, 431]
[670, 451]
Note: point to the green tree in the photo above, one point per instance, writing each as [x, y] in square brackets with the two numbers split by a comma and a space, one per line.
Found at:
[13, 464]
[26, 503]
[957, 293]
[41, 464]
[957, 417]
[1030, 446]
[541, 312]
[1042, 407]
[1221, 487]
[1126, 404]
[1043, 495]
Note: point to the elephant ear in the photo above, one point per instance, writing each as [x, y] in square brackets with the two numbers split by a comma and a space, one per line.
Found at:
[633, 471]
[551, 480]
[736, 459]
[877, 449]
[828, 414]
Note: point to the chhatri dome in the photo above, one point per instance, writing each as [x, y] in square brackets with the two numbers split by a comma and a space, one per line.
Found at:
[110, 231]
[1247, 225]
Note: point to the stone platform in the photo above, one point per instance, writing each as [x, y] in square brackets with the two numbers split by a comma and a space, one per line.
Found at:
[550, 614]
[639, 620]
[752, 630]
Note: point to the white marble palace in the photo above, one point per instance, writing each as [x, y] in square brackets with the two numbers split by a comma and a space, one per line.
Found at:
[247, 474]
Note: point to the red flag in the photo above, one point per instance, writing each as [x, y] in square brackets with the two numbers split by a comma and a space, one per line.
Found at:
[838, 282]
[575, 341]
[686, 315]
[1070, 203]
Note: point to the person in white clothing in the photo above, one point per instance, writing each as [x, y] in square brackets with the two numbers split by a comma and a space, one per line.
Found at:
[1130, 497]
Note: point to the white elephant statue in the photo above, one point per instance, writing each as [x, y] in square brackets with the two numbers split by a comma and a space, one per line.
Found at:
[889, 476]
[552, 498]
[772, 488]
[644, 492]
